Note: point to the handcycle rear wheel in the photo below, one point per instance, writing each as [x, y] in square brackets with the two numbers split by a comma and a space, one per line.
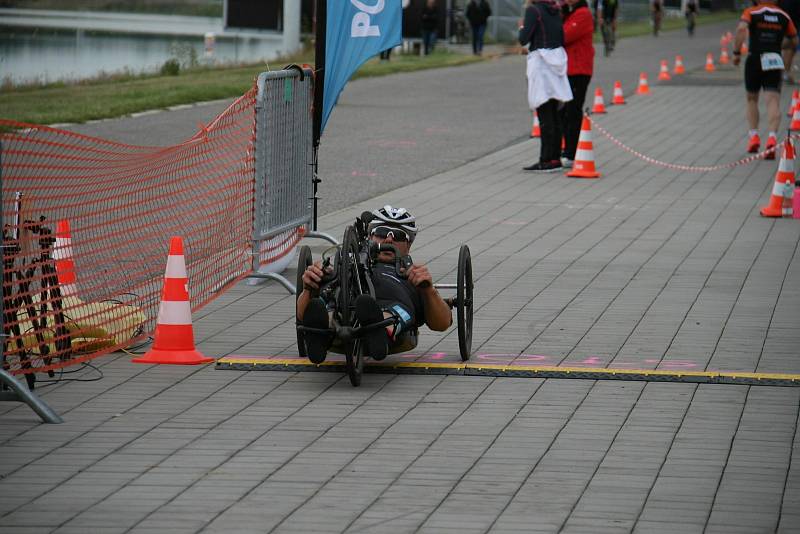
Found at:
[349, 290]
[304, 259]
[464, 302]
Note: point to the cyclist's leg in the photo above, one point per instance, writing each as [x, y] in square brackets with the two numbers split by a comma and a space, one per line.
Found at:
[605, 31]
[368, 312]
[316, 343]
[614, 32]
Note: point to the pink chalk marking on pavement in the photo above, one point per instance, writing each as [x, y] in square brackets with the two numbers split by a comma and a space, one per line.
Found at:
[363, 173]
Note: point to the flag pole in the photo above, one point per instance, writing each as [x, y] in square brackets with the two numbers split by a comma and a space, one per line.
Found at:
[321, 22]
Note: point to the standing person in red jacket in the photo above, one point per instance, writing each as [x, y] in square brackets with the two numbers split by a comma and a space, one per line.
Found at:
[578, 28]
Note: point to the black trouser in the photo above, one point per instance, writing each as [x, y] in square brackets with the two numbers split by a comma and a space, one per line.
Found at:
[572, 113]
[550, 124]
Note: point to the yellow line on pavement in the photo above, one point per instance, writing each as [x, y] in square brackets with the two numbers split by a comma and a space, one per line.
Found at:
[460, 366]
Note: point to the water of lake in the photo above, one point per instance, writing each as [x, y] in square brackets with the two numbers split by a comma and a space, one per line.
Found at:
[50, 55]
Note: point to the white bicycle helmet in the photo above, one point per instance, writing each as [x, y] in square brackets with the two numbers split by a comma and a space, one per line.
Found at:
[396, 217]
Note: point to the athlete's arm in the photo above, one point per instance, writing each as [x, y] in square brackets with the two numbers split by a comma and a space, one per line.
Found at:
[738, 41]
[437, 313]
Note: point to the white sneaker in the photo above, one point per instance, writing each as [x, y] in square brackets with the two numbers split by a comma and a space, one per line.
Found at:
[567, 163]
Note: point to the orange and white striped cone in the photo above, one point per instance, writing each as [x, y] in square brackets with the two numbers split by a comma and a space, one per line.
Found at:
[663, 75]
[618, 98]
[643, 88]
[174, 338]
[794, 126]
[62, 256]
[780, 201]
[744, 50]
[679, 68]
[795, 99]
[599, 105]
[536, 130]
[710, 62]
[723, 56]
[583, 166]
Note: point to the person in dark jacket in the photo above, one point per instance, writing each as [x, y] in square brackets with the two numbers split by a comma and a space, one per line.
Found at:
[578, 26]
[430, 21]
[548, 86]
[478, 12]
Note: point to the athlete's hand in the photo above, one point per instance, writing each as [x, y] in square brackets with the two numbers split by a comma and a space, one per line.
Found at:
[419, 276]
[737, 59]
[313, 276]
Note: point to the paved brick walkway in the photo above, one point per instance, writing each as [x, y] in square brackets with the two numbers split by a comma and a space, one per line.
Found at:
[645, 267]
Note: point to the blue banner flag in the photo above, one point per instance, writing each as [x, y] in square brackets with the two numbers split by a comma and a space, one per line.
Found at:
[356, 31]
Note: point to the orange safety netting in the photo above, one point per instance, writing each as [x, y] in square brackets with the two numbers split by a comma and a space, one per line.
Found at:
[86, 229]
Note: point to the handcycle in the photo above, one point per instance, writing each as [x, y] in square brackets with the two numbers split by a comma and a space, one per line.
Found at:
[351, 276]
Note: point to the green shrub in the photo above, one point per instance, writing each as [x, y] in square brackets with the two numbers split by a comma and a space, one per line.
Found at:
[171, 67]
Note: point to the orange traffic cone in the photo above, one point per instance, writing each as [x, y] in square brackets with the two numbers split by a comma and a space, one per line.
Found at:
[599, 105]
[643, 88]
[678, 65]
[62, 256]
[780, 202]
[744, 49]
[723, 57]
[795, 99]
[795, 124]
[710, 62]
[536, 130]
[174, 339]
[664, 74]
[583, 167]
[618, 98]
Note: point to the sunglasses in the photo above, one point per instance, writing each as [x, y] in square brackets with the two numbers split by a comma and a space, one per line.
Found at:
[382, 232]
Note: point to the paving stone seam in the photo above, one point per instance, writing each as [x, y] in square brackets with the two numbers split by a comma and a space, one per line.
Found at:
[556, 226]
[721, 181]
[727, 458]
[643, 264]
[155, 424]
[253, 440]
[533, 467]
[669, 448]
[599, 242]
[426, 449]
[605, 455]
[795, 439]
[777, 297]
[142, 370]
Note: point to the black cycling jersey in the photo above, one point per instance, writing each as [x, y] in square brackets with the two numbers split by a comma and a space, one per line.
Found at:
[768, 25]
[390, 290]
[609, 9]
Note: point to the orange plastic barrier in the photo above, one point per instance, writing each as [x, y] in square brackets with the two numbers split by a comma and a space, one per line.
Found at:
[84, 226]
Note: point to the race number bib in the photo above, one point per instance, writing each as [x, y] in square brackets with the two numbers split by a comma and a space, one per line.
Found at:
[771, 61]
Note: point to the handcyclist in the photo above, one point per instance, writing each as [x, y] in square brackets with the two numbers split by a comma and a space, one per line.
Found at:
[771, 30]
[411, 301]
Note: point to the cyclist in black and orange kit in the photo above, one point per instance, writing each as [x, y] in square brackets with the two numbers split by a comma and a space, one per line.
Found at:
[771, 30]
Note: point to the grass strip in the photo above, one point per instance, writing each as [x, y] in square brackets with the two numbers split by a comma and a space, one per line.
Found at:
[112, 96]
[116, 96]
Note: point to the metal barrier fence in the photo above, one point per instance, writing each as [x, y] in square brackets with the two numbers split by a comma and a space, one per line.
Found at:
[284, 179]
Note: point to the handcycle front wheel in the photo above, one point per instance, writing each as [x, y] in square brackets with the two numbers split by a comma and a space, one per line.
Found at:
[304, 260]
[349, 290]
[464, 302]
